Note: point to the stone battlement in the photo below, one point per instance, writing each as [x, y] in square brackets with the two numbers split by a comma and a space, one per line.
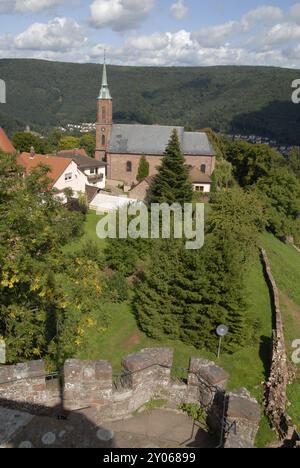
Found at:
[146, 375]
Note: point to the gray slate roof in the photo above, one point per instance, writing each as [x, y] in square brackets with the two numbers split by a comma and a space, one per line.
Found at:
[197, 143]
[84, 162]
[153, 139]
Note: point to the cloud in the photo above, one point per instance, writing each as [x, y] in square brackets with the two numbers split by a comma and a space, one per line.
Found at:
[294, 13]
[58, 34]
[261, 15]
[280, 34]
[23, 6]
[216, 35]
[120, 15]
[179, 10]
[266, 35]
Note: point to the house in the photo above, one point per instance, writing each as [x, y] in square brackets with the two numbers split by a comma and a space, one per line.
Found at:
[141, 191]
[201, 183]
[95, 171]
[67, 172]
[5, 144]
[122, 146]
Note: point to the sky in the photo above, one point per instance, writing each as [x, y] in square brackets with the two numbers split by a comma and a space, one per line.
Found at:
[153, 32]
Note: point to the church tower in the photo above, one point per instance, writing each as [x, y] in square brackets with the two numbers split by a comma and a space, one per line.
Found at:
[104, 118]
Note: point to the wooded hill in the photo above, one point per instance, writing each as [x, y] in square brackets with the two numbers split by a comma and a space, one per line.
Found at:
[248, 100]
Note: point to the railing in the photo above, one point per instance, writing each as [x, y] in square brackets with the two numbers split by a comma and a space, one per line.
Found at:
[95, 177]
[52, 376]
[122, 381]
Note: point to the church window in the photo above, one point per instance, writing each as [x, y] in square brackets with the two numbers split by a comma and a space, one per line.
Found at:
[203, 168]
[103, 140]
[129, 166]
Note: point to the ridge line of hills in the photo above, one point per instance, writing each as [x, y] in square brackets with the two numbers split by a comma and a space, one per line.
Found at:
[230, 99]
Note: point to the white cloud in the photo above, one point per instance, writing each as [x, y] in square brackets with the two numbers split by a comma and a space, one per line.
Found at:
[283, 33]
[294, 13]
[23, 6]
[120, 15]
[216, 35]
[179, 10]
[261, 15]
[267, 35]
[57, 35]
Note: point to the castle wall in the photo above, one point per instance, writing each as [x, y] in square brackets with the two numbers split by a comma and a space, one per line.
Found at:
[276, 389]
[23, 383]
[146, 375]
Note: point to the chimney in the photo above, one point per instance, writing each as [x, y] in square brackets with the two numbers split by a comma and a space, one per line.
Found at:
[32, 153]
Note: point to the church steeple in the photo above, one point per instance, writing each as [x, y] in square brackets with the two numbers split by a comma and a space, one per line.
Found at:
[104, 91]
[104, 118]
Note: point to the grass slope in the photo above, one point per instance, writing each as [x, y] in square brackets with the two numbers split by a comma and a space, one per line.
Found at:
[247, 368]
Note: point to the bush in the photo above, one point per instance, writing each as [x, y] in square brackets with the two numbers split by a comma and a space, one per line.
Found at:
[194, 411]
[117, 288]
[90, 250]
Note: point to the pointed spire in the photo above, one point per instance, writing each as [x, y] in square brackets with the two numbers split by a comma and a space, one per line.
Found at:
[104, 91]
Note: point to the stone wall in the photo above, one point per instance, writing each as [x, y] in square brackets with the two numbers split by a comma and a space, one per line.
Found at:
[23, 383]
[276, 388]
[146, 375]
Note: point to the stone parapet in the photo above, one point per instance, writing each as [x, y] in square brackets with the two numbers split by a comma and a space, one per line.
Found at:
[146, 375]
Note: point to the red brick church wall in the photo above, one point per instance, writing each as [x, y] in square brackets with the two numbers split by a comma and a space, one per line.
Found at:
[117, 165]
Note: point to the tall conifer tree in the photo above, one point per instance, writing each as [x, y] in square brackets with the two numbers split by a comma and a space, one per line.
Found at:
[172, 183]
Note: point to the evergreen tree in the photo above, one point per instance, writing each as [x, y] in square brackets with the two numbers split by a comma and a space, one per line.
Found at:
[155, 304]
[187, 294]
[172, 183]
[143, 170]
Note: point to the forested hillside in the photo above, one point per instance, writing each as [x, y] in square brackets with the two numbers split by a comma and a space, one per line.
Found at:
[229, 99]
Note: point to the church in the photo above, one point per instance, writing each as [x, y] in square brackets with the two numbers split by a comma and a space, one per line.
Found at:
[121, 146]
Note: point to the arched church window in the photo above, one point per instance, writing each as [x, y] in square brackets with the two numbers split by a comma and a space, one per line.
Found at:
[203, 168]
[129, 166]
[103, 140]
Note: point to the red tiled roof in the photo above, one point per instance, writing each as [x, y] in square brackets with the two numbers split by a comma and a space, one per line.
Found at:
[56, 165]
[198, 177]
[5, 143]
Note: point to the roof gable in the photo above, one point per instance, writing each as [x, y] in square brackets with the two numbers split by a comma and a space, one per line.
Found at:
[5, 144]
[197, 143]
[57, 166]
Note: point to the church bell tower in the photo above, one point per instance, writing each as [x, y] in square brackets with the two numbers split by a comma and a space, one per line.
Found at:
[104, 118]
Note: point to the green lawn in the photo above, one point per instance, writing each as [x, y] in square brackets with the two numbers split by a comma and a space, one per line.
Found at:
[285, 263]
[89, 233]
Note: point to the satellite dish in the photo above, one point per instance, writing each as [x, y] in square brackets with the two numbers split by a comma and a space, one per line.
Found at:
[222, 330]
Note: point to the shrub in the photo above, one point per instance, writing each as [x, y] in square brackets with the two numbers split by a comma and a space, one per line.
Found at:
[117, 288]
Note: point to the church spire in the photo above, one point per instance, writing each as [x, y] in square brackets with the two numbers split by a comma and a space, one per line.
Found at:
[104, 91]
